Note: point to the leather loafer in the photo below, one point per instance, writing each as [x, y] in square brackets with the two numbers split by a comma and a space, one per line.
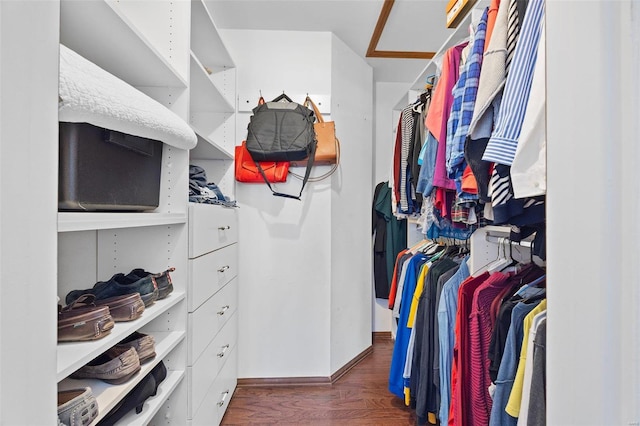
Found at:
[119, 285]
[163, 280]
[124, 308]
[115, 366]
[144, 344]
[77, 407]
[83, 320]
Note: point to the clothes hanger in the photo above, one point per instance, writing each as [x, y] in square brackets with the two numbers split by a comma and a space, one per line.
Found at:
[282, 97]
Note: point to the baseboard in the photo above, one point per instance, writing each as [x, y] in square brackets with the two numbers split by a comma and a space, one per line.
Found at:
[381, 336]
[306, 381]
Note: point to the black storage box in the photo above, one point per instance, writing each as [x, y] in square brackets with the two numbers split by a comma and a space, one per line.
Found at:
[104, 170]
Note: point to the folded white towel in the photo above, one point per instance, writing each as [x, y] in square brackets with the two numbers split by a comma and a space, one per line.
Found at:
[91, 95]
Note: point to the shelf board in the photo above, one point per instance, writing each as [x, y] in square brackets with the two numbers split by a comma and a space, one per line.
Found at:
[100, 33]
[73, 355]
[206, 149]
[153, 405]
[205, 38]
[108, 395]
[89, 221]
[204, 95]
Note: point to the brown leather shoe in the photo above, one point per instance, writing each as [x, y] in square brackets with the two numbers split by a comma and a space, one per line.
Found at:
[144, 344]
[124, 308]
[83, 320]
[115, 366]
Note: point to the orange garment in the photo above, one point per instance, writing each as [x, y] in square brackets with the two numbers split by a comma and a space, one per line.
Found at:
[394, 280]
[469, 183]
[491, 21]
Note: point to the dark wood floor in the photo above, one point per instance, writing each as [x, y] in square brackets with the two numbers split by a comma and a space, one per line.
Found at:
[360, 397]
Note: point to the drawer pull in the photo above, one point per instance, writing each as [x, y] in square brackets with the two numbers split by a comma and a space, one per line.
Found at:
[223, 228]
[225, 394]
[223, 310]
[224, 349]
[224, 268]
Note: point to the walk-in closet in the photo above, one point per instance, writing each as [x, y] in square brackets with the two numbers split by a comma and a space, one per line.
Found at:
[201, 288]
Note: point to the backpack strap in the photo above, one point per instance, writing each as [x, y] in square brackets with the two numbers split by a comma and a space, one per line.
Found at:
[310, 160]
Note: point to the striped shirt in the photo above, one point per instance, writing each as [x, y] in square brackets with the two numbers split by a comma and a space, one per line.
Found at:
[504, 140]
[464, 99]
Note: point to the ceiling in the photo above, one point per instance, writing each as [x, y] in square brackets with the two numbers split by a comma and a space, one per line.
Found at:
[412, 26]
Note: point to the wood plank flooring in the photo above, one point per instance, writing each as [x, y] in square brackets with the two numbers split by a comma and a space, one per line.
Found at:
[360, 397]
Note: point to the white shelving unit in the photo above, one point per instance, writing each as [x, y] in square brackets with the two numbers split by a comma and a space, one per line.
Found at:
[212, 106]
[145, 44]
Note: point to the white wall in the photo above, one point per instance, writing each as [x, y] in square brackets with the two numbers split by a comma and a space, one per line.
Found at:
[352, 110]
[386, 123]
[593, 95]
[29, 34]
[286, 247]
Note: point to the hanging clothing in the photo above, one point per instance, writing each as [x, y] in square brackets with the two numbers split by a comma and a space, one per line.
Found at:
[528, 370]
[504, 139]
[396, 381]
[537, 403]
[390, 238]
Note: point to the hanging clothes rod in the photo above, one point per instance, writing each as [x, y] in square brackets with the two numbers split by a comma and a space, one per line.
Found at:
[496, 239]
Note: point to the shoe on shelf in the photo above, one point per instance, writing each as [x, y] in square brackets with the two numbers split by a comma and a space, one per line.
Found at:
[83, 320]
[163, 279]
[115, 366]
[77, 407]
[144, 344]
[147, 388]
[127, 307]
[119, 285]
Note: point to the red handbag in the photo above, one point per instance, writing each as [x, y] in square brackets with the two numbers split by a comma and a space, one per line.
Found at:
[247, 170]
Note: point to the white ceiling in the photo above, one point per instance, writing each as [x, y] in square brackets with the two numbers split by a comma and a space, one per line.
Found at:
[413, 25]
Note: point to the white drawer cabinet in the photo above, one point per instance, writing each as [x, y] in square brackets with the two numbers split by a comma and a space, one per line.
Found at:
[218, 395]
[212, 299]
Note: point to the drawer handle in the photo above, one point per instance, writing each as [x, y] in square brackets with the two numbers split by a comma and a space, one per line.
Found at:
[224, 268]
[225, 394]
[224, 349]
[223, 228]
[223, 310]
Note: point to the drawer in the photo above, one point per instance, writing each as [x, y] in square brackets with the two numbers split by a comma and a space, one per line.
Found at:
[218, 395]
[211, 227]
[206, 369]
[209, 273]
[208, 319]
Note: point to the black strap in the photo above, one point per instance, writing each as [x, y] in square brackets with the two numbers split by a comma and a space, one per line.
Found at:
[310, 161]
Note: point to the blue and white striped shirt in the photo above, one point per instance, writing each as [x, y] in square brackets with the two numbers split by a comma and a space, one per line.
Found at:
[504, 139]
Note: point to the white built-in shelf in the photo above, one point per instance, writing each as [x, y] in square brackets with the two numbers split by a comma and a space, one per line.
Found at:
[73, 355]
[208, 149]
[101, 33]
[205, 38]
[89, 221]
[108, 395]
[153, 404]
[204, 94]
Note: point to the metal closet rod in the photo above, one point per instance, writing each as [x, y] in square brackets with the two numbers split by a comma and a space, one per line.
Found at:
[497, 239]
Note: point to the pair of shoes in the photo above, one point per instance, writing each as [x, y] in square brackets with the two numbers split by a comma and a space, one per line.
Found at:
[83, 320]
[120, 362]
[163, 280]
[144, 344]
[147, 387]
[115, 366]
[127, 307]
[121, 284]
[76, 407]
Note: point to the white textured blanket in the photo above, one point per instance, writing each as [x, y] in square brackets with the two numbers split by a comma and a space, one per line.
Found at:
[91, 95]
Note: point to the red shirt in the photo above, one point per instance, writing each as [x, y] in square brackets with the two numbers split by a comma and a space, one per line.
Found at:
[459, 376]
